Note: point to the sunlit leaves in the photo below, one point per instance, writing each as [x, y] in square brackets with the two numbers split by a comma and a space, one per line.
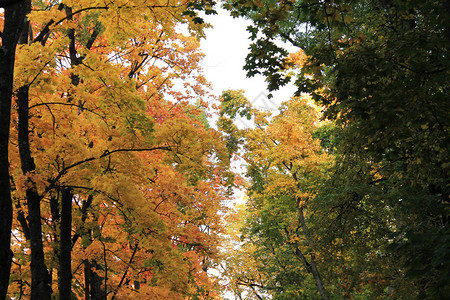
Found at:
[286, 167]
[117, 116]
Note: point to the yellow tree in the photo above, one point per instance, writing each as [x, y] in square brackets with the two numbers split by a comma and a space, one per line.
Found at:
[286, 165]
[102, 127]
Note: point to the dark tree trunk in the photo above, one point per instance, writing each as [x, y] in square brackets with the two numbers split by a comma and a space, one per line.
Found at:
[92, 281]
[40, 278]
[87, 280]
[81, 231]
[65, 249]
[312, 264]
[97, 292]
[14, 16]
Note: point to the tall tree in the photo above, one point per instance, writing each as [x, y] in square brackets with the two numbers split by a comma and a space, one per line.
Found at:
[285, 167]
[13, 22]
[102, 126]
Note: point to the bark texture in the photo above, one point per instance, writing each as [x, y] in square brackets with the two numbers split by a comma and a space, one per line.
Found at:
[13, 23]
[40, 277]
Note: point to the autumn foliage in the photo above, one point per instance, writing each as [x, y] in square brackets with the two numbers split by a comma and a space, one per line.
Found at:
[115, 183]
[117, 178]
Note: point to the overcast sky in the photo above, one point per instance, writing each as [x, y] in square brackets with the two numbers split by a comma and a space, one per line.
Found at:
[226, 46]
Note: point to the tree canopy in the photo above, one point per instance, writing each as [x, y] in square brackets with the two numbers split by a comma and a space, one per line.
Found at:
[115, 182]
[380, 71]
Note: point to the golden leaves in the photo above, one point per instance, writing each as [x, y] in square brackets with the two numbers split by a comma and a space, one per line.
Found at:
[296, 59]
[31, 180]
[108, 119]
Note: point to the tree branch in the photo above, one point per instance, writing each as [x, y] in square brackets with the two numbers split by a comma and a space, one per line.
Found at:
[105, 154]
[126, 271]
[67, 104]
[46, 29]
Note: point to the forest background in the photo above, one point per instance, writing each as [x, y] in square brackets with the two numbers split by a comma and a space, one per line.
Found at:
[114, 184]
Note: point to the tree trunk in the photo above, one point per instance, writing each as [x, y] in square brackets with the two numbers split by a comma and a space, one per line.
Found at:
[65, 249]
[93, 282]
[312, 265]
[40, 278]
[97, 291]
[87, 273]
[14, 16]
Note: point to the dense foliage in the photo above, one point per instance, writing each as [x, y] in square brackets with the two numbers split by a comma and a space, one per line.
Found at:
[113, 185]
[116, 179]
[380, 70]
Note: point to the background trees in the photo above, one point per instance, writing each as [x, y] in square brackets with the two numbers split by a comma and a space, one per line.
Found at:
[285, 165]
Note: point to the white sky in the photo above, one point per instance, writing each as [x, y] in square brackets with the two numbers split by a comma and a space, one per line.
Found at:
[226, 46]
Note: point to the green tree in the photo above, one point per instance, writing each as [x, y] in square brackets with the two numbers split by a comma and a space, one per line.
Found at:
[381, 70]
[285, 167]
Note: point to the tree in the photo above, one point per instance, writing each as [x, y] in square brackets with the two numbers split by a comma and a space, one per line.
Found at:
[14, 14]
[285, 165]
[115, 170]
[380, 68]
